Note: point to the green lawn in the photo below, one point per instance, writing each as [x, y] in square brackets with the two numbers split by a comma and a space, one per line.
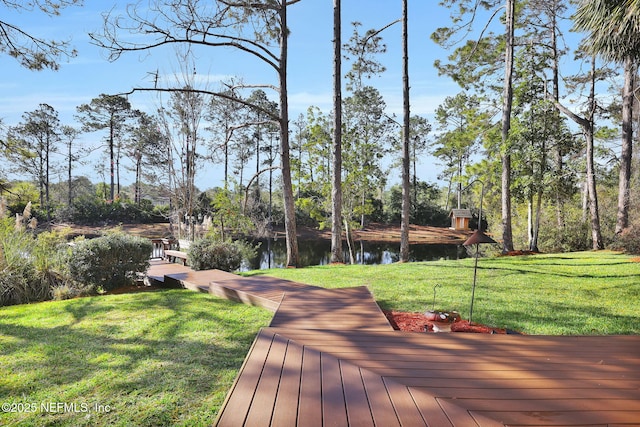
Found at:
[170, 357]
[577, 293]
[145, 359]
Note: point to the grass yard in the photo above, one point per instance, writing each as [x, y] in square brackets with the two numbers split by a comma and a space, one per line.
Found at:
[170, 357]
[582, 293]
[145, 359]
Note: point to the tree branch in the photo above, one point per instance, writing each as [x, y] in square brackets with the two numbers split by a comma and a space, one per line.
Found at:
[269, 114]
[253, 178]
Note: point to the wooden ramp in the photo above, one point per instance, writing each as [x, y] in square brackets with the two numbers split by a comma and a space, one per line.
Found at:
[330, 358]
[342, 309]
[296, 305]
[261, 291]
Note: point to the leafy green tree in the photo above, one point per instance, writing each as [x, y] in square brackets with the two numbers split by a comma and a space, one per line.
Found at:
[365, 143]
[419, 129]
[366, 127]
[427, 205]
[613, 32]
[30, 146]
[109, 112]
[314, 168]
[146, 148]
[587, 122]
[69, 135]
[475, 61]
[538, 129]
[225, 117]
[462, 124]
[227, 214]
[18, 195]
[543, 31]
[258, 29]
[261, 131]
[181, 126]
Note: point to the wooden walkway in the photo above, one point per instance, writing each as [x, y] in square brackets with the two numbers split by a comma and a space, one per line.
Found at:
[350, 368]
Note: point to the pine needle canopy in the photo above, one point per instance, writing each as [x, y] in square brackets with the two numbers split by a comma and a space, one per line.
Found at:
[613, 27]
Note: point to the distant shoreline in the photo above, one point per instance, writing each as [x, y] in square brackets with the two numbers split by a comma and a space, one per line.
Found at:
[418, 234]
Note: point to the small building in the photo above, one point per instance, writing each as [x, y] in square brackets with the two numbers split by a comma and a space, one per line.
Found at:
[460, 219]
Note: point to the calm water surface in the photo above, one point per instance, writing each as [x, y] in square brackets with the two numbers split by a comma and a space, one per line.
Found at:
[273, 254]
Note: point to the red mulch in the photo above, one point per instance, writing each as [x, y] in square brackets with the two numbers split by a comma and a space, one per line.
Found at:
[401, 321]
[417, 322]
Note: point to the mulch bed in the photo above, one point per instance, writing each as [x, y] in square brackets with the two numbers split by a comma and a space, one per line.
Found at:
[418, 322]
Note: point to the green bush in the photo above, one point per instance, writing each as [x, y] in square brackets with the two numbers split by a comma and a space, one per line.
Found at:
[69, 291]
[207, 254]
[94, 210]
[20, 285]
[22, 274]
[109, 261]
[628, 241]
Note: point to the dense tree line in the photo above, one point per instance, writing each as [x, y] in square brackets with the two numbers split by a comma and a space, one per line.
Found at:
[544, 161]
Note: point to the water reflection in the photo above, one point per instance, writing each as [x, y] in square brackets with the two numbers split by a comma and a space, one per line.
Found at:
[273, 254]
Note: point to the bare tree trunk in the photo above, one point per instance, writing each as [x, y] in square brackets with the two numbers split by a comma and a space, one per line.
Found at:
[507, 233]
[536, 224]
[336, 183]
[46, 184]
[69, 177]
[558, 152]
[459, 195]
[587, 130]
[406, 154]
[446, 208]
[352, 257]
[137, 195]
[530, 222]
[287, 186]
[118, 170]
[112, 161]
[624, 184]
[596, 234]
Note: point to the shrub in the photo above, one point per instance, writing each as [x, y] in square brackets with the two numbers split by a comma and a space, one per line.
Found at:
[207, 254]
[628, 241]
[19, 285]
[20, 281]
[109, 261]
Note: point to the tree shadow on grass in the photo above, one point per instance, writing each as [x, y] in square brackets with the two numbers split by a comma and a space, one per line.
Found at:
[163, 347]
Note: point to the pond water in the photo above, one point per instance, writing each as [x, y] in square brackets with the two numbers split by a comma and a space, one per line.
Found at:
[273, 253]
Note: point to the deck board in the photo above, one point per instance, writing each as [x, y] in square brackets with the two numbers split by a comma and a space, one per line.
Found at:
[355, 394]
[240, 398]
[533, 390]
[350, 309]
[286, 406]
[310, 400]
[330, 358]
[382, 410]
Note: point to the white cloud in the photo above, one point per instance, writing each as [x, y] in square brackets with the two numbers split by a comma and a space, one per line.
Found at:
[299, 102]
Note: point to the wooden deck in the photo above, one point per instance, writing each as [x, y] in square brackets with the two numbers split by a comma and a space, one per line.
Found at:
[329, 358]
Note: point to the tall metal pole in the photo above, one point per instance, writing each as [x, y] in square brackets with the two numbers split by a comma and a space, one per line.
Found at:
[473, 288]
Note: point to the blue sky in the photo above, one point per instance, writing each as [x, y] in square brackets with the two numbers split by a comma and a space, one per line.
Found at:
[310, 63]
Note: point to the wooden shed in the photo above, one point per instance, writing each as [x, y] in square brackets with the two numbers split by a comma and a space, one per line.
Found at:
[460, 219]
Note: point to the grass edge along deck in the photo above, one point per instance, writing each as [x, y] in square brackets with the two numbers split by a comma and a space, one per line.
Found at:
[330, 372]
